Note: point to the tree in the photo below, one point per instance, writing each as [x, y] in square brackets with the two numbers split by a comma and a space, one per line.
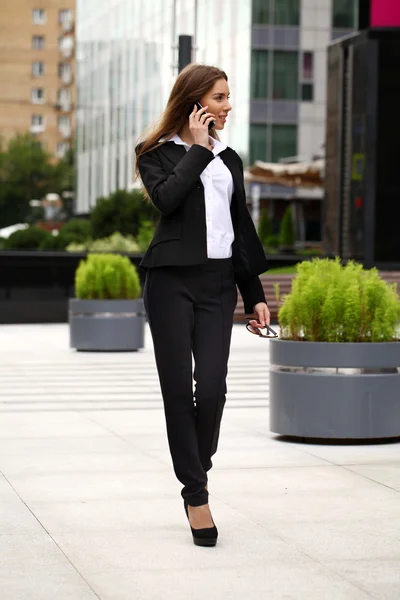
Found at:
[264, 226]
[286, 232]
[122, 211]
[26, 173]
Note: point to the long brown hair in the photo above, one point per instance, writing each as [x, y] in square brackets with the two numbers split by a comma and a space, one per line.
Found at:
[191, 84]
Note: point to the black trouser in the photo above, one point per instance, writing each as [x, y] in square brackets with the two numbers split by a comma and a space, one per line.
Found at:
[190, 310]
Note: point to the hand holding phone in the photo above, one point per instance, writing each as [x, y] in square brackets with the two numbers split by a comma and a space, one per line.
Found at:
[200, 123]
[211, 123]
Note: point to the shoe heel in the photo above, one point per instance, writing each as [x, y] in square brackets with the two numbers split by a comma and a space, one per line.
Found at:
[202, 537]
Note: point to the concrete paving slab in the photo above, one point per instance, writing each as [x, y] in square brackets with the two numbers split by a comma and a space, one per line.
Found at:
[354, 539]
[385, 474]
[50, 487]
[32, 566]
[82, 439]
[41, 464]
[381, 578]
[276, 581]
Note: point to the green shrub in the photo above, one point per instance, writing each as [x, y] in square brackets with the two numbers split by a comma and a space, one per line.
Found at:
[122, 211]
[286, 233]
[115, 243]
[107, 276]
[309, 252]
[2, 243]
[27, 239]
[332, 303]
[272, 241]
[58, 242]
[264, 227]
[77, 230]
[145, 235]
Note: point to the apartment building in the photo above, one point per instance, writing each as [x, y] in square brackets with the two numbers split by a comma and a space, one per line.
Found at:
[274, 52]
[37, 68]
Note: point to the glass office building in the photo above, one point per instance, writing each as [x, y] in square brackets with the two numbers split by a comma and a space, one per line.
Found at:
[273, 51]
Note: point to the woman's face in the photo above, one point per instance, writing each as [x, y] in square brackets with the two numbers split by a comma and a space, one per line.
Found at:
[217, 100]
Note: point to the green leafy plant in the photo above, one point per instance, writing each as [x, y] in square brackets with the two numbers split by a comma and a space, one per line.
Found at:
[334, 303]
[272, 241]
[122, 211]
[286, 233]
[115, 243]
[79, 229]
[31, 238]
[107, 276]
[264, 227]
[145, 235]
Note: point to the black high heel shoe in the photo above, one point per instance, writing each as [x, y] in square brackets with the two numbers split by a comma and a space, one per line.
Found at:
[202, 537]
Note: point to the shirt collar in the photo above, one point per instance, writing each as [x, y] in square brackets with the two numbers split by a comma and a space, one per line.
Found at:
[218, 146]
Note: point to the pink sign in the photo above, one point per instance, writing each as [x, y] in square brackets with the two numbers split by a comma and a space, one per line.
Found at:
[385, 13]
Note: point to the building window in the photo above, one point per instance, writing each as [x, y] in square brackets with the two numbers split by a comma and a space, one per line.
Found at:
[344, 14]
[38, 96]
[64, 98]
[283, 141]
[37, 42]
[65, 15]
[37, 123]
[66, 44]
[64, 72]
[64, 125]
[307, 77]
[260, 12]
[285, 75]
[39, 16]
[37, 68]
[276, 12]
[307, 92]
[258, 143]
[308, 66]
[259, 74]
[62, 149]
[287, 12]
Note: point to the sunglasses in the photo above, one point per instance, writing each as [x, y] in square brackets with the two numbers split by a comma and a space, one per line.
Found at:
[269, 332]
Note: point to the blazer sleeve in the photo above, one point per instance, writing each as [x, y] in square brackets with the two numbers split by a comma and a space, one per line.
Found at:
[168, 191]
[252, 293]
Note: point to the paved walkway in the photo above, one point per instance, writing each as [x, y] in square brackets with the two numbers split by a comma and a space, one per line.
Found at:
[90, 508]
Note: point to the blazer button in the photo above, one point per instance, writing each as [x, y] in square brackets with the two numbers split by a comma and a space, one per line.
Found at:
[198, 186]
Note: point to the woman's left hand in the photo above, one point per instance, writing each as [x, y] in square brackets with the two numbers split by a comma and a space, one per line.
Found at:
[262, 313]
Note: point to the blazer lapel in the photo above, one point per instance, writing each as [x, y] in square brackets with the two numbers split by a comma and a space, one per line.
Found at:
[173, 152]
[232, 163]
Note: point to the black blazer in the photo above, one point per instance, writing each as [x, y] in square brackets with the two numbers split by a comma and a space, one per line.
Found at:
[171, 176]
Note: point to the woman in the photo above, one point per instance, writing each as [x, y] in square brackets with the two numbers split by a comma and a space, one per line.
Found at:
[205, 244]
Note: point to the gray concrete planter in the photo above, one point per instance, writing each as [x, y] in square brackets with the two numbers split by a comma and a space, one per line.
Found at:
[106, 325]
[337, 391]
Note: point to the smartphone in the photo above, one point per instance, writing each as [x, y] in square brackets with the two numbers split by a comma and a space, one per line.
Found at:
[199, 106]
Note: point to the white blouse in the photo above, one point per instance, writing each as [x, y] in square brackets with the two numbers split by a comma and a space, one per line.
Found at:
[218, 189]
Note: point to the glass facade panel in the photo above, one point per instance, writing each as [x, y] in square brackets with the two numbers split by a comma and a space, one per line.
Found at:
[126, 66]
[308, 66]
[259, 74]
[283, 141]
[286, 75]
[258, 143]
[261, 12]
[287, 12]
[307, 92]
[344, 14]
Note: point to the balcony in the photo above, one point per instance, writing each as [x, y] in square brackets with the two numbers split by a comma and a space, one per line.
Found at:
[66, 46]
[66, 77]
[65, 132]
[36, 128]
[67, 25]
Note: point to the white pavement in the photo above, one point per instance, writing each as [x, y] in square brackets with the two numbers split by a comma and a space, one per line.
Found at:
[90, 507]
